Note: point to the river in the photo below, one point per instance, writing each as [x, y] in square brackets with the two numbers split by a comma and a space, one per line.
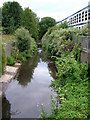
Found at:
[30, 88]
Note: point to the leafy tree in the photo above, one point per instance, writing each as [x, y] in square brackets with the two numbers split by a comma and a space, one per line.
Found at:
[12, 23]
[11, 12]
[44, 24]
[63, 25]
[30, 21]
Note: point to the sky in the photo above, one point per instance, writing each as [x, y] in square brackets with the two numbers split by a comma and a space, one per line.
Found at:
[57, 9]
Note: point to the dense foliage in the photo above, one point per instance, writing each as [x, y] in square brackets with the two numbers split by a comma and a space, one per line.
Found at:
[11, 12]
[44, 24]
[24, 48]
[23, 39]
[72, 89]
[26, 45]
[14, 17]
[71, 85]
[58, 40]
[55, 40]
[30, 21]
[10, 61]
[63, 25]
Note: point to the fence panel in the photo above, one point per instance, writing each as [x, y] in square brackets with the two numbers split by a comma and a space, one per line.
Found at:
[85, 42]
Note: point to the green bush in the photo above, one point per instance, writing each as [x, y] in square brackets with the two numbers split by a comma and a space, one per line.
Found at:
[63, 25]
[22, 56]
[56, 40]
[26, 45]
[23, 39]
[10, 61]
[85, 31]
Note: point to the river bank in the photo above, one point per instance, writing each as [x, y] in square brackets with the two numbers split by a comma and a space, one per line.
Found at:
[10, 73]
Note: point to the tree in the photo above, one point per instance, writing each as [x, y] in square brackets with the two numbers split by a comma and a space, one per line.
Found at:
[44, 24]
[63, 25]
[11, 12]
[30, 21]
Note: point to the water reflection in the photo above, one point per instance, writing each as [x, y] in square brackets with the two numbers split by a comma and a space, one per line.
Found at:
[35, 75]
[5, 108]
[27, 69]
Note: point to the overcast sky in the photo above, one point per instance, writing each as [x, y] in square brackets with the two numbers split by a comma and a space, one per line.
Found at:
[57, 9]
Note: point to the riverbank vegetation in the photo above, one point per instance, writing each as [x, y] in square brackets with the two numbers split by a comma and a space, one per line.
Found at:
[71, 85]
[16, 23]
[58, 40]
[25, 47]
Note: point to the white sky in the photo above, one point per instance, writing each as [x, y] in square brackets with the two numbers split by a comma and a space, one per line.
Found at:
[57, 9]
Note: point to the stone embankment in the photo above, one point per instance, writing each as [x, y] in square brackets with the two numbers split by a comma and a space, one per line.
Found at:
[8, 76]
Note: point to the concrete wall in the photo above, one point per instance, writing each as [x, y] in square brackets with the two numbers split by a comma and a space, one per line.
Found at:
[9, 48]
[85, 57]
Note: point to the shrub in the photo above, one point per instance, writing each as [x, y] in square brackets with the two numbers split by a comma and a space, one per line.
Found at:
[26, 45]
[85, 31]
[21, 56]
[10, 61]
[55, 41]
[63, 25]
[23, 39]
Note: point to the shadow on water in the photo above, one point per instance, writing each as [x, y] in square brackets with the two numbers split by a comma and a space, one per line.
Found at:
[27, 70]
[5, 108]
[30, 88]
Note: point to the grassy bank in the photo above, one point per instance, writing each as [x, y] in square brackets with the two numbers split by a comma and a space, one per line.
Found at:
[8, 38]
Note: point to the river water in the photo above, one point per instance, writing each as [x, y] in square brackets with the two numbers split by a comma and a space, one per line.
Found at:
[30, 89]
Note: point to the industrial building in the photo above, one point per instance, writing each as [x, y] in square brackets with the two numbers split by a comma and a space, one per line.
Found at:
[78, 19]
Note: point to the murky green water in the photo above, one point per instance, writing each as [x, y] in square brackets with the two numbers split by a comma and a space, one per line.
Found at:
[30, 88]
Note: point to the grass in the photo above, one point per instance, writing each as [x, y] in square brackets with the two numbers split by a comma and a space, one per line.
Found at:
[8, 39]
